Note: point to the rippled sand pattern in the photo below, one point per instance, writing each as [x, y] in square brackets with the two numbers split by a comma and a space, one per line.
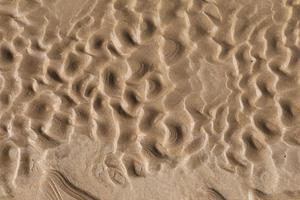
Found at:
[149, 99]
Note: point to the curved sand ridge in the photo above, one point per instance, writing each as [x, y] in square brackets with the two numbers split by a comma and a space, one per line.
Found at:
[149, 99]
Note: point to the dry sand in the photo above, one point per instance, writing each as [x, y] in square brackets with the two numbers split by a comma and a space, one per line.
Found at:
[149, 100]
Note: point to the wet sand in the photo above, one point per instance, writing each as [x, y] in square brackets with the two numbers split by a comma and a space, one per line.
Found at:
[149, 99]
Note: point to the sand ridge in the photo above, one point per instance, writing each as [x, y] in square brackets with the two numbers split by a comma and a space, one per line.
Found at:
[149, 99]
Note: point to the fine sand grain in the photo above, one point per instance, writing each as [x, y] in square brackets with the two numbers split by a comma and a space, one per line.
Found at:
[149, 100]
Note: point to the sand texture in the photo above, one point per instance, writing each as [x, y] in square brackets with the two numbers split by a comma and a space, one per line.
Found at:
[149, 99]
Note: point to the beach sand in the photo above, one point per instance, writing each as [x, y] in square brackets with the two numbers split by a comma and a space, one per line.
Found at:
[149, 100]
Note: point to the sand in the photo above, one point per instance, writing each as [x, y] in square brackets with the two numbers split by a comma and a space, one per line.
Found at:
[149, 99]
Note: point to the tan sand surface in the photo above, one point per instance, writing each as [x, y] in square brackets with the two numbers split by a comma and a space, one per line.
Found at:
[149, 99]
